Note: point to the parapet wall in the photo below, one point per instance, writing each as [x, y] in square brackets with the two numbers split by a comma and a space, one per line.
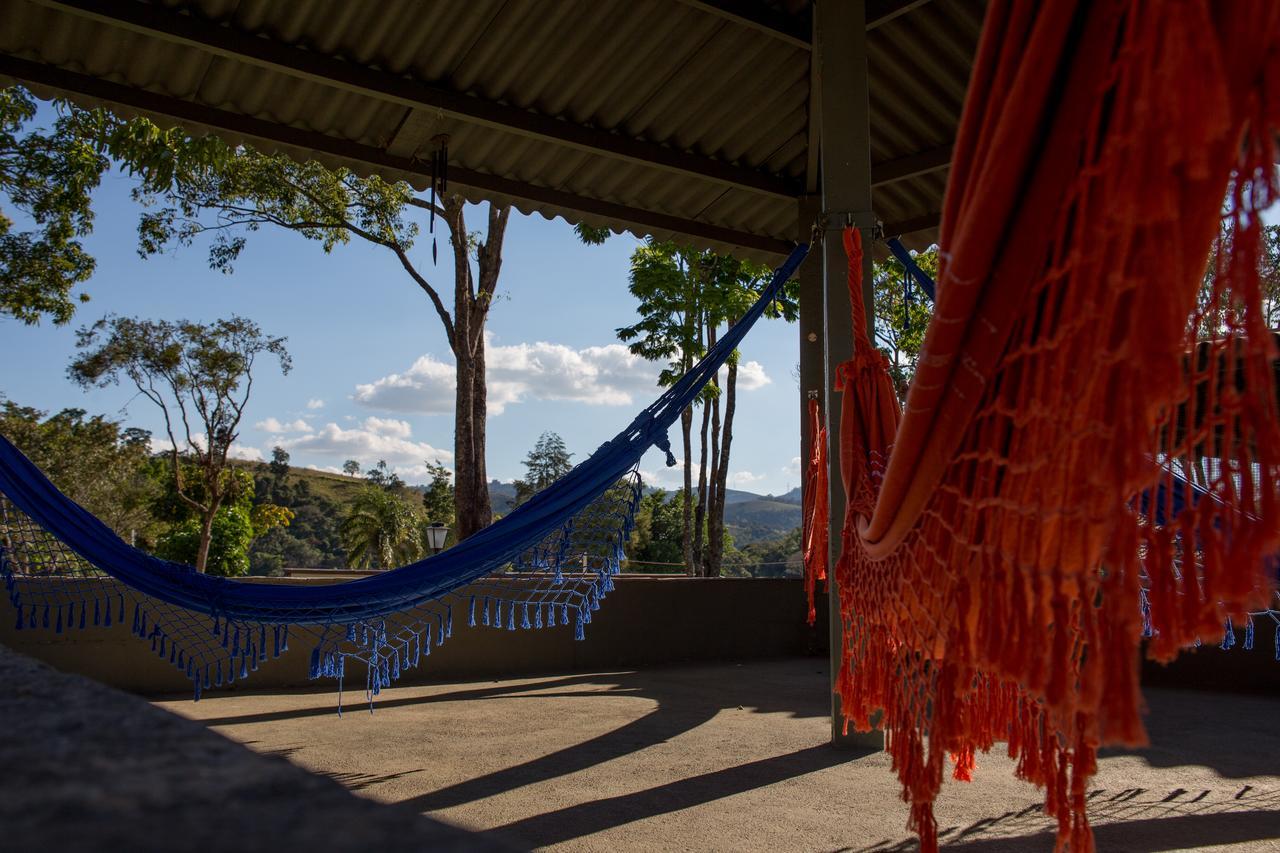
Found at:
[645, 621]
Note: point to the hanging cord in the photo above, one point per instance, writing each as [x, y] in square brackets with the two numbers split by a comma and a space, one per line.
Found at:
[439, 184]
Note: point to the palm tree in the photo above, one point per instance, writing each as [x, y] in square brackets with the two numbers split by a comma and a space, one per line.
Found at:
[381, 530]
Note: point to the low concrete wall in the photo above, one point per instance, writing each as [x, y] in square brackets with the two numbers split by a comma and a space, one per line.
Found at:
[646, 621]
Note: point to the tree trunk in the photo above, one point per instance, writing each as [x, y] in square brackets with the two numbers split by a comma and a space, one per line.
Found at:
[482, 505]
[700, 508]
[709, 559]
[464, 447]
[686, 540]
[208, 513]
[470, 312]
[206, 538]
[716, 532]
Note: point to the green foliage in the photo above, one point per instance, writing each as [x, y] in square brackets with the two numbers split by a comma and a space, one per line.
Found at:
[546, 463]
[1219, 314]
[279, 464]
[901, 322]
[48, 175]
[97, 462]
[684, 291]
[592, 235]
[438, 505]
[773, 558]
[312, 538]
[228, 554]
[657, 533]
[381, 530]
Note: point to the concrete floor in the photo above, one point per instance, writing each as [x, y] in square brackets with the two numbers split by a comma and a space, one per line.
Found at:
[735, 757]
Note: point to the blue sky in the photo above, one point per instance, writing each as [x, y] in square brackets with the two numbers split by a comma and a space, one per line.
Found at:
[371, 365]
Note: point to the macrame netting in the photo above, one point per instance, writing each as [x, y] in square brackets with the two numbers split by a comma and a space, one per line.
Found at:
[991, 579]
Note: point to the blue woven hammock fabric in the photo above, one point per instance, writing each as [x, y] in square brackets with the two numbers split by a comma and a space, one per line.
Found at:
[549, 563]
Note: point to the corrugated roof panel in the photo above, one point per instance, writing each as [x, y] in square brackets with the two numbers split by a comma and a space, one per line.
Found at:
[666, 72]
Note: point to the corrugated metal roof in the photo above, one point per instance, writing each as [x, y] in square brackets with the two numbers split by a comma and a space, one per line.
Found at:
[668, 73]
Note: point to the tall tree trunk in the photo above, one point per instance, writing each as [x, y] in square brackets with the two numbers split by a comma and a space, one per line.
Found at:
[716, 532]
[208, 513]
[686, 540]
[470, 312]
[464, 448]
[206, 538]
[709, 558]
[482, 505]
[700, 508]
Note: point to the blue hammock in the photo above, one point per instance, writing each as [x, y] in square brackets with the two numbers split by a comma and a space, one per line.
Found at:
[564, 546]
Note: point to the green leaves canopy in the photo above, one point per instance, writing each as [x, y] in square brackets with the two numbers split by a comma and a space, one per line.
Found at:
[381, 530]
[47, 177]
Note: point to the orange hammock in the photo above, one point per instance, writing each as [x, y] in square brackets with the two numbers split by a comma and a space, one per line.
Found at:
[990, 576]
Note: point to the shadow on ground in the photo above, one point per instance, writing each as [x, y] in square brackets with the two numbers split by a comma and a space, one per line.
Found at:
[1135, 820]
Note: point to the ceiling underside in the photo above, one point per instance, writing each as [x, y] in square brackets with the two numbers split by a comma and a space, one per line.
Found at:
[671, 118]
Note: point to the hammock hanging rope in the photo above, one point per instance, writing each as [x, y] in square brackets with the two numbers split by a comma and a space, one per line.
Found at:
[579, 523]
[994, 582]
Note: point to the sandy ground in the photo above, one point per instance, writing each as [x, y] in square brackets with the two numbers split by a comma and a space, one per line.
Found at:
[735, 757]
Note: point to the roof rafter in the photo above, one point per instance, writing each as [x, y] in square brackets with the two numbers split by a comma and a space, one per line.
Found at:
[159, 22]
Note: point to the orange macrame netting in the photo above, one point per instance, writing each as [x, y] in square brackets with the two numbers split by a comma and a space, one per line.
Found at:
[990, 581]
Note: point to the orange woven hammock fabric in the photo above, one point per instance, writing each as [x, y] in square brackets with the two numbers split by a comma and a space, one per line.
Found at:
[990, 583]
[816, 537]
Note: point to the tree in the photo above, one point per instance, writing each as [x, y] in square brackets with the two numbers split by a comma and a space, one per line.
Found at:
[438, 495]
[686, 296]
[97, 462]
[383, 477]
[279, 464]
[49, 174]
[381, 529]
[199, 376]
[902, 313]
[1217, 314]
[438, 505]
[351, 468]
[237, 523]
[546, 463]
[244, 190]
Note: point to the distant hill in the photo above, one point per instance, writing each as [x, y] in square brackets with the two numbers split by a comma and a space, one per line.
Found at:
[760, 519]
[748, 516]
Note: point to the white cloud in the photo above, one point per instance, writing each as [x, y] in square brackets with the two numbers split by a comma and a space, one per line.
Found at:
[426, 388]
[374, 439]
[315, 403]
[388, 426]
[273, 425]
[604, 376]
[743, 479]
[793, 469]
[250, 454]
[751, 376]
